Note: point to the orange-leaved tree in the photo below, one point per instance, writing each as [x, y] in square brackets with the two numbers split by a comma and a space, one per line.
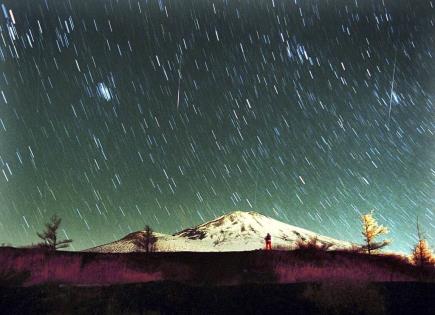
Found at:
[422, 255]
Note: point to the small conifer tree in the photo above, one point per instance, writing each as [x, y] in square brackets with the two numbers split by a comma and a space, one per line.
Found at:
[147, 240]
[370, 231]
[49, 236]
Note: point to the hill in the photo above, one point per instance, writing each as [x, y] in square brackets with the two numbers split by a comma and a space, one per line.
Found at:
[198, 268]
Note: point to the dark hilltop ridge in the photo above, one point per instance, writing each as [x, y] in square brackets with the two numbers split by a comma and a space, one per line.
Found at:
[226, 271]
[255, 282]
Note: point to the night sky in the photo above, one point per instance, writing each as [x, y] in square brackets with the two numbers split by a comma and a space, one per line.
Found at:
[116, 114]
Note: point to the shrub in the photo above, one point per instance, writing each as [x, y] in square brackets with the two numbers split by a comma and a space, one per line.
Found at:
[312, 244]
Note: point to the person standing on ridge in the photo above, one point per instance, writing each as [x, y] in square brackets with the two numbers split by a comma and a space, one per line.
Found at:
[268, 240]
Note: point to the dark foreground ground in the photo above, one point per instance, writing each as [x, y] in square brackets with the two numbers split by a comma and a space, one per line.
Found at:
[304, 281]
[29, 267]
[176, 298]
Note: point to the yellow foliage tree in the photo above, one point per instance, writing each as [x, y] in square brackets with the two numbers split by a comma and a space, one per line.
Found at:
[370, 231]
[422, 255]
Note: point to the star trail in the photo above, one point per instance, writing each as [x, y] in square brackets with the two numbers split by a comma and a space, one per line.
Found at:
[116, 114]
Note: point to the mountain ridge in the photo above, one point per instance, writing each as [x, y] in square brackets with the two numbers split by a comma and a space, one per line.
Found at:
[234, 231]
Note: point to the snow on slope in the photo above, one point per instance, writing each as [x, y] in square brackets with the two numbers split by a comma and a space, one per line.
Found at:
[237, 231]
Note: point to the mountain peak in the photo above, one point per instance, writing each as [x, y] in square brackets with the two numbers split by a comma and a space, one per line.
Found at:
[243, 213]
[239, 215]
[234, 231]
[235, 220]
[233, 217]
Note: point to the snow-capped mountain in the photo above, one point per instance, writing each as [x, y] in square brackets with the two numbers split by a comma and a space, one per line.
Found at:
[236, 231]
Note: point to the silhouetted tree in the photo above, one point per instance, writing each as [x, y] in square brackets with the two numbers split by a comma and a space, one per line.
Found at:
[422, 255]
[370, 231]
[147, 240]
[49, 236]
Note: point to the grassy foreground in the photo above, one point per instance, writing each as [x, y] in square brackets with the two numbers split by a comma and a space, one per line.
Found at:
[307, 281]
